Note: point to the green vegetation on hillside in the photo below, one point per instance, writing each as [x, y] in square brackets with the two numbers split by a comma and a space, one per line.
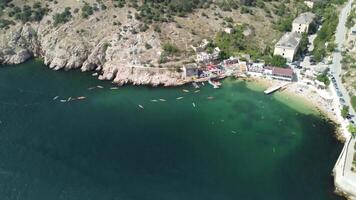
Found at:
[26, 13]
[235, 43]
[169, 49]
[351, 18]
[63, 17]
[164, 10]
[328, 12]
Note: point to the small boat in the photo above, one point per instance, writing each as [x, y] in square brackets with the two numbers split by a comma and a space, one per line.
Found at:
[202, 83]
[195, 85]
[154, 100]
[196, 91]
[81, 98]
[185, 90]
[63, 100]
[215, 84]
[162, 100]
[56, 97]
[234, 132]
[94, 74]
[193, 104]
[141, 106]
[114, 88]
[69, 99]
[210, 98]
[99, 86]
[179, 98]
[91, 88]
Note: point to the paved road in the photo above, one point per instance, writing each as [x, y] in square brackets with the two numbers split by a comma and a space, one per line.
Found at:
[340, 37]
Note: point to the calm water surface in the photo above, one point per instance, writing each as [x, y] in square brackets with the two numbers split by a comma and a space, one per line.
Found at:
[240, 145]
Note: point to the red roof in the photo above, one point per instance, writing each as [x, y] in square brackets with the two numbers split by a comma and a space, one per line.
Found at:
[282, 71]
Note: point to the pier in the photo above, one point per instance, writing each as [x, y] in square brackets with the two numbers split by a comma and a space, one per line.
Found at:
[275, 88]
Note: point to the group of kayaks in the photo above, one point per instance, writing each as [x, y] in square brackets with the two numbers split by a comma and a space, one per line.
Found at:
[69, 99]
[196, 86]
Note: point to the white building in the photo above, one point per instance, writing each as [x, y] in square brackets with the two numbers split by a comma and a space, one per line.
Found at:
[302, 23]
[288, 45]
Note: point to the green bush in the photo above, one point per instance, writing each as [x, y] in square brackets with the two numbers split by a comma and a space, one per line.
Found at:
[87, 10]
[170, 49]
[276, 61]
[61, 18]
[323, 78]
[344, 111]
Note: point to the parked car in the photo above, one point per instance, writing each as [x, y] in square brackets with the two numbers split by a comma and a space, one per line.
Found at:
[342, 101]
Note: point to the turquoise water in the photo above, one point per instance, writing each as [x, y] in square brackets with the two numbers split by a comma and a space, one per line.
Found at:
[239, 145]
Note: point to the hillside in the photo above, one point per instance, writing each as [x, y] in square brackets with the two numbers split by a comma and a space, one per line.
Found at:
[142, 42]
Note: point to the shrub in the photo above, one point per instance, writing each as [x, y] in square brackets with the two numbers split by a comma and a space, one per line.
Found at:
[170, 49]
[277, 61]
[64, 17]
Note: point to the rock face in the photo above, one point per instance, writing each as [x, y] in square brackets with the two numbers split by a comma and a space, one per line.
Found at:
[119, 53]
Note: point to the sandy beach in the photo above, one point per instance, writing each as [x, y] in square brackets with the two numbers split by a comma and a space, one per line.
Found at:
[305, 98]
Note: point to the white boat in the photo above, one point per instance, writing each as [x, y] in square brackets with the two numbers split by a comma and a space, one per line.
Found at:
[141, 106]
[193, 104]
[179, 98]
[154, 100]
[162, 99]
[56, 97]
[94, 74]
[81, 98]
[185, 90]
[214, 84]
[196, 91]
[114, 88]
[99, 86]
[196, 86]
[63, 100]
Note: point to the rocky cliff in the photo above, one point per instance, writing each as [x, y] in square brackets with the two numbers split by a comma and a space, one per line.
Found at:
[118, 53]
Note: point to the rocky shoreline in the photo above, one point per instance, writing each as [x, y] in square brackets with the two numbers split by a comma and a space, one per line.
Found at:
[109, 53]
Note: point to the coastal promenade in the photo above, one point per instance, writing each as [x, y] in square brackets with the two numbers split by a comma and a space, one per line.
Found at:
[344, 177]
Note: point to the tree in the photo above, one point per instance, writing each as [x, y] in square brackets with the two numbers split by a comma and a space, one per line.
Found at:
[223, 55]
[303, 45]
[352, 129]
[323, 78]
[344, 111]
[170, 49]
[277, 61]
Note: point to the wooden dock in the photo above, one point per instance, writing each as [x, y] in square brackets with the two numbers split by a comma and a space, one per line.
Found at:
[275, 88]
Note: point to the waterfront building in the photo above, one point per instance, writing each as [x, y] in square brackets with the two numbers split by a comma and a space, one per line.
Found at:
[285, 74]
[190, 71]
